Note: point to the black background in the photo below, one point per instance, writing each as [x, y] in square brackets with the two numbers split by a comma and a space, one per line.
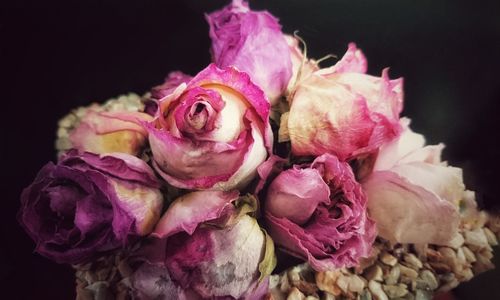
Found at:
[56, 56]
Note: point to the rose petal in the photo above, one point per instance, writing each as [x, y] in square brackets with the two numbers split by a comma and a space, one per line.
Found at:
[296, 193]
[187, 212]
[353, 61]
[403, 211]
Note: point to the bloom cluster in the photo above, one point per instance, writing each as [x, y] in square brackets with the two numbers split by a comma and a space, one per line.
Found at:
[217, 178]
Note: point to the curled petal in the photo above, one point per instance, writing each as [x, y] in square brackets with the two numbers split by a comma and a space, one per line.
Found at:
[353, 61]
[187, 212]
[409, 147]
[296, 194]
[105, 132]
[172, 81]
[119, 165]
[403, 210]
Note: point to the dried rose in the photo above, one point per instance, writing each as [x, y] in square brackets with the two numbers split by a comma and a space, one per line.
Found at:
[342, 111]
[107, 132]
[88, 204]
[412, 195]
[207, 245]
[317, 212]
[211, 133]
[251, 41]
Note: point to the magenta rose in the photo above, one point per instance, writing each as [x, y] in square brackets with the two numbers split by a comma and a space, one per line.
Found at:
[251, 41]
[89, 204]
[207, 246]
[317, 212]
[343, 111]
[211, 133]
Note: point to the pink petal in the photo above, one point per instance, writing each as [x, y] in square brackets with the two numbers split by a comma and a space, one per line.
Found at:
[353, 61]
[296, 193]
[187, 212]
[409, 213]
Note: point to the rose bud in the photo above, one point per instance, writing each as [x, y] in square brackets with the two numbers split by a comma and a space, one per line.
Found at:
[317, 212]
[89, 204]
[342, 111]
[211, 133]
[251, 41]
[412, 192]
[110, 131]
[207, 245]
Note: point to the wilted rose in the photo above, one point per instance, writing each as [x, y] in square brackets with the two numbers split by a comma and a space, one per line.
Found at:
[317, 212]
[106, 132]
[207, 246]
[211, 133]
[251, 41]
[412, 195]
[342, 111]
[88, 204]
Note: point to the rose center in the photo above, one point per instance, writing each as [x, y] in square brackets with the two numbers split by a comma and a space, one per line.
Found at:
[198, 116]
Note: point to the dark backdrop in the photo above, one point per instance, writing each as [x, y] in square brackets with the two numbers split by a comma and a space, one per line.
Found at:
[55, 56]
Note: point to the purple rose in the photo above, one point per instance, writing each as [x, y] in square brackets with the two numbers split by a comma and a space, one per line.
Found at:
[207, 246]
[211, 133]
[252, 42]
[88, 204]
[317, 212]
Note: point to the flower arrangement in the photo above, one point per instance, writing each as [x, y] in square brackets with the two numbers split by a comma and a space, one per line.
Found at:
[264, 176]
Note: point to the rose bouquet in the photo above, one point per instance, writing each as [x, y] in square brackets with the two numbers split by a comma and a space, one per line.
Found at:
[264, 176]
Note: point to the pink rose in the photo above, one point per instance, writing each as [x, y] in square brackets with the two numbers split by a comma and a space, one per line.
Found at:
[413, 196]
[342, 111]
[252, 42]
[317, 212]
[211, 133]
[105, 132]
[207, 246]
